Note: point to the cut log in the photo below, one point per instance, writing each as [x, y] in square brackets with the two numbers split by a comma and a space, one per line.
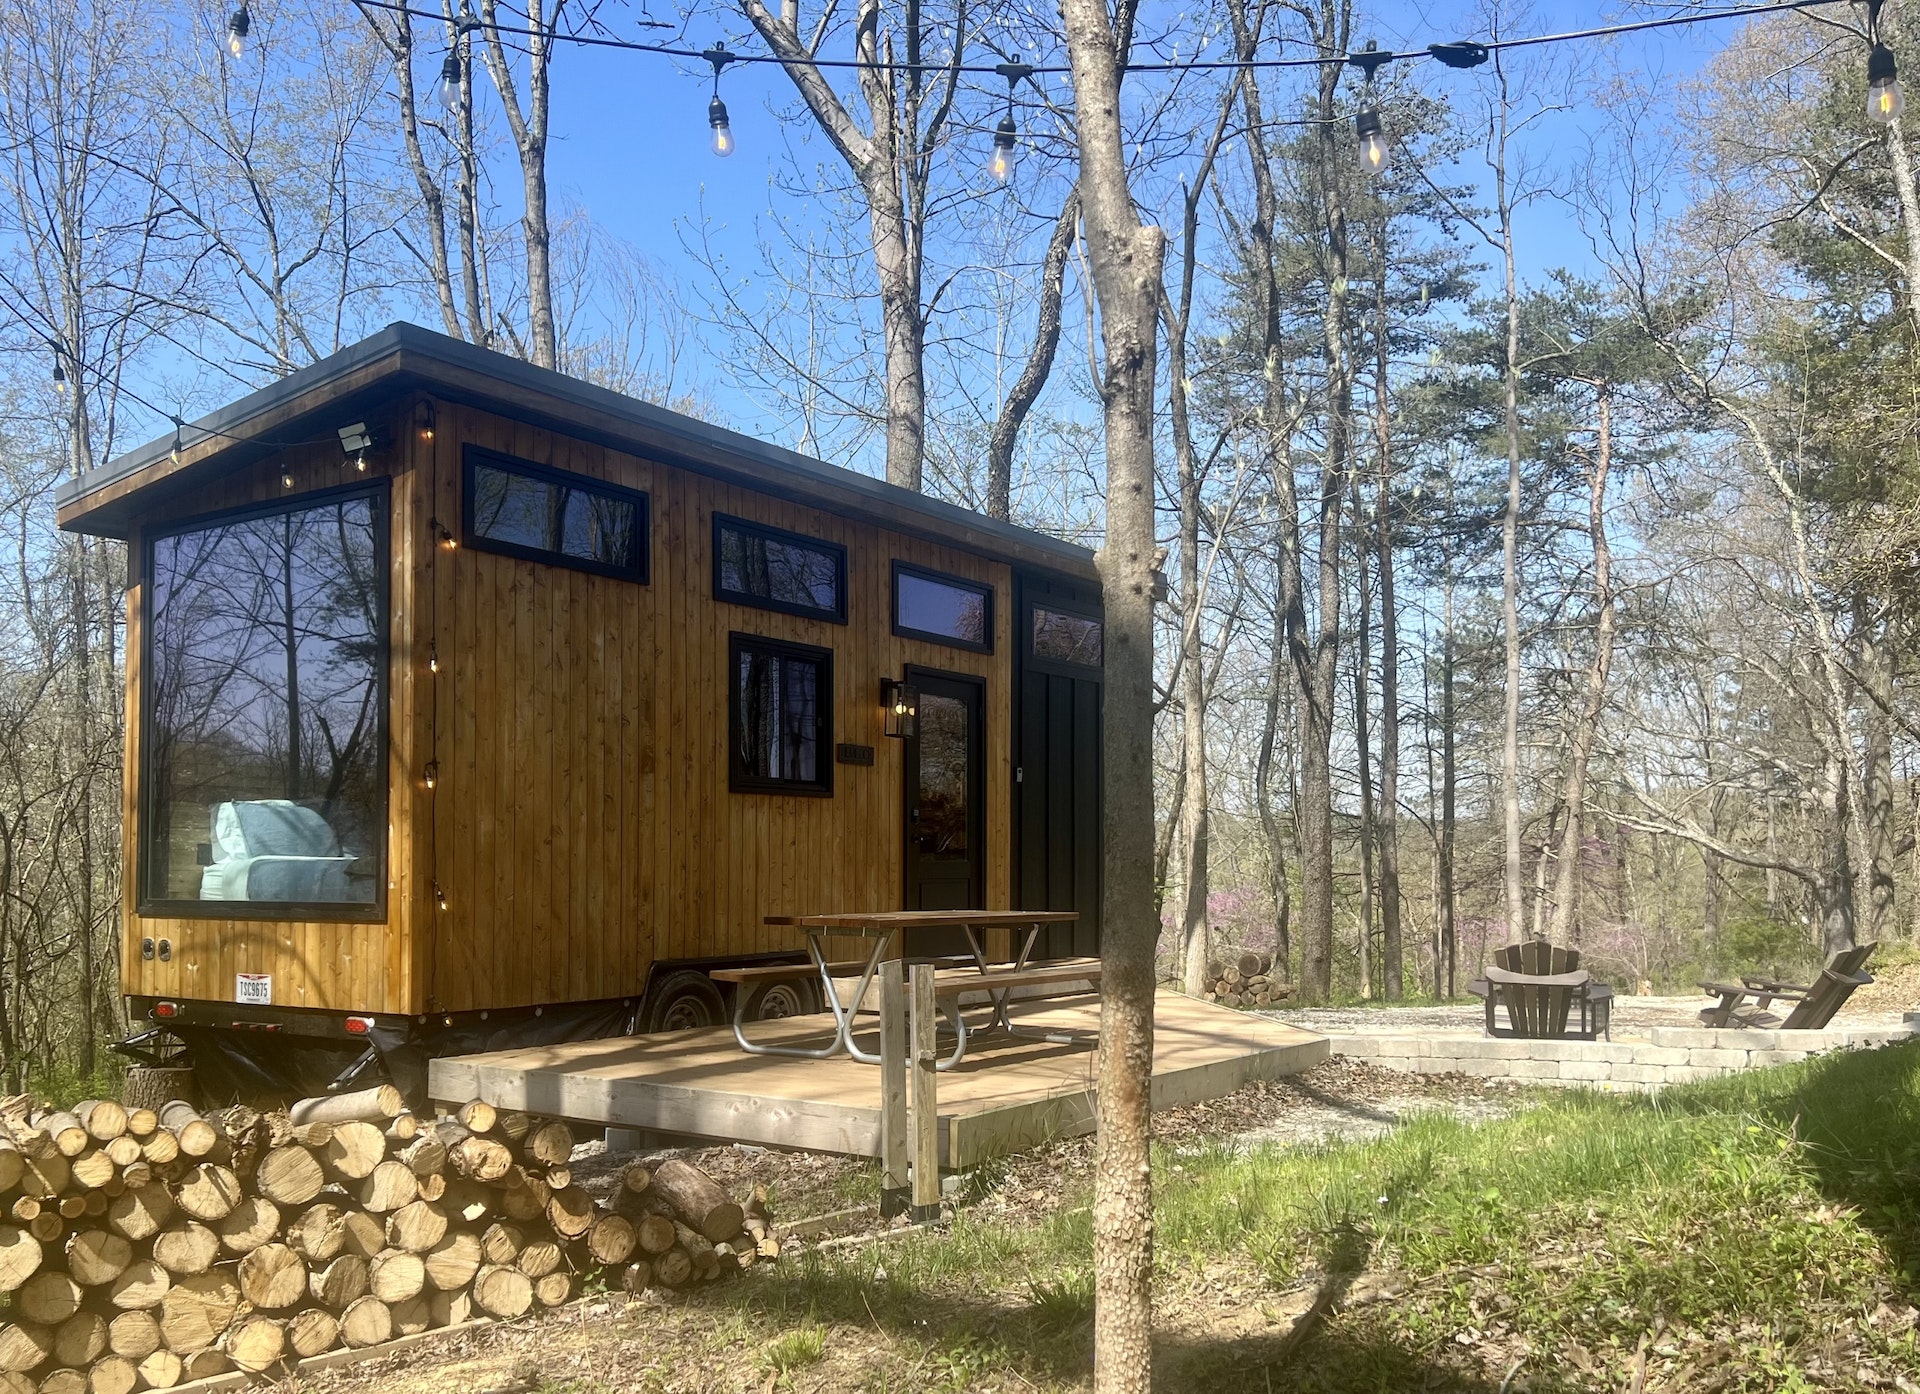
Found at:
[69, 1138]
[538, 1258]
[46, 1176]
[514, 1125]
[550, 1144]
[413, 1316]
[92, 1169]
[24, 1208]
[394, 1275]
[698, 1199]
[1250, 965]
[314, 1135]
[611, 1239]
[13, 1164]
[141, 1121]
[47, 1227]
[186, 1249]
[318, 1234]
[122, 1151]
[673, 1268]
[451, 1308]
[256, 1344]
[136, 1335]
[208, 1192]
[159, 1147]
[375, 1105]
[416, 1226]
[503, 1292]
[572, 1212]
[559, 1177]
[355, 1149]
[196, 1310]
[205, 1364]
[47, 1298]
[140, 1214]
[366, 1322]
[340, 1283]
[273, 1276]
[426, 1155]
[388, 1187]
[453, 1262]
[71, 1207]
[697, 1246]
[80, 1340]
[104, 1119]
[23, 1346]
[477, 1116]
[113, 1374]
[312, 1331]
[196, 1136]
[289, 1175]
[432, 1186]
[528, 1202]
[365, 1235]
[637, 1179]
[248, 1225]
[162, 1370]
[402, 1129]
[141, 1288]
[95, 1257]
[502, 1243]
[20, 1255]
[637, 1276]
[654, 1233]
[480, 1158]
[553, 1289]
[64, 1382]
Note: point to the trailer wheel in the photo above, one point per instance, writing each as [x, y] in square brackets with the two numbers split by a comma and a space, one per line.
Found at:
[683, 1000]
[777, 1001]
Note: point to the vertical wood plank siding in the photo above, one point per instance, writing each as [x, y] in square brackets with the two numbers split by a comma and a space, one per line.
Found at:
[582, 826]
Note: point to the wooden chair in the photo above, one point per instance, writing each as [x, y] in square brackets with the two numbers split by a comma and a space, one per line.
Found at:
[1813, 1005]
[1540, 985]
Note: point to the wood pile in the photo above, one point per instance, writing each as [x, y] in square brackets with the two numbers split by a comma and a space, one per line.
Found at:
[142, 1248]
[1247, 982]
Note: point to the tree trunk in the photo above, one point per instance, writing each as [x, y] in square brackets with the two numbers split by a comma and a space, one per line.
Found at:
[1263, 801]
[1510, 540]
[1125, 260]
[529, 128]
[1449, 769]
[1362, 698]
[1046, 340]
[1876, 775]
[1387, 828]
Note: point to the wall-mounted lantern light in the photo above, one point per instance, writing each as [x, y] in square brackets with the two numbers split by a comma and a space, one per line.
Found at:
[902, 707]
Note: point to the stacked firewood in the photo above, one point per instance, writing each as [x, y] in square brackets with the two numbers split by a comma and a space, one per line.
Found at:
[1247, 982]
[141, 1248]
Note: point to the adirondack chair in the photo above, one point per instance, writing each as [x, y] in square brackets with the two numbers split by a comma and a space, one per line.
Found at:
[1814, 1005]
[1540, 985]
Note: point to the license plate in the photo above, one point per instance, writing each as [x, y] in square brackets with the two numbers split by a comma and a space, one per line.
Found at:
[253, 989]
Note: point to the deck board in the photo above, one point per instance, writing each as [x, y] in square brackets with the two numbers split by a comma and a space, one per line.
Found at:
[1008, 1095]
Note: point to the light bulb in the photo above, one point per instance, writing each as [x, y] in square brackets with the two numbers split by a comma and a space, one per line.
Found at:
[1000, 163]
[450, 81]
[432, 773]
[433, 662]
[1373, 143]
[238, 23]
[59, 375]
[286, 479]
[722, 132]
[360, 463]
[1885, 100]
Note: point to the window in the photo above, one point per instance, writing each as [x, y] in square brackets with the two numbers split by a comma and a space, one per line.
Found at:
[945, 609]
[1061, 637]
[539, 514]
[780, 720]
[754, 564]
[265, 777]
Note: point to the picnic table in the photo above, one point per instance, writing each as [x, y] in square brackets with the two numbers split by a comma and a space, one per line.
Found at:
[877, 929]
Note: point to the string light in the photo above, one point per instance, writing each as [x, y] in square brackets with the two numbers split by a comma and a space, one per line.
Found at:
[1000, 163]
[450, 81]
[59, 366]
[716, 109]
[431, 773]
[174, 454]
[1366, 122]
[239, 23]
[286, 479]
[433, 661]
[427, 425]
[1885, 100]
[439, 896]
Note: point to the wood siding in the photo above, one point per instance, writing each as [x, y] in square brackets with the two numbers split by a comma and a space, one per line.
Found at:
[581, 826]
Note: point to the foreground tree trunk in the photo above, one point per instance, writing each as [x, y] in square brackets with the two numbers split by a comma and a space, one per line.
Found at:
[529, 128]
[1033, 377]
[1388, 831]
[1125, 258]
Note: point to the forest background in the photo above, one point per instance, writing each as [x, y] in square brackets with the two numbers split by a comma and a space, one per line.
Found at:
[1539, 510]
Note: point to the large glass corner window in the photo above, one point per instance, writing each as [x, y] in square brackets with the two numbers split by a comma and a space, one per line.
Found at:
[780, 717]
[946, 609]
[554, 516]
[265, 730]
[773, 569]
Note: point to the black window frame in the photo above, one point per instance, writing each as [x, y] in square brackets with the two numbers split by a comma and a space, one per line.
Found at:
[1041, 663]
[760, 602]
[738, 780]
[965, 583]
[279, 911]
[473, 456]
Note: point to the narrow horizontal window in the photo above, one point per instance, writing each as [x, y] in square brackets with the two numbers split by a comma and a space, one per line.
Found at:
[754, 564]
[1061, 637]
[945, 609]
[780, 720]
[538, 514]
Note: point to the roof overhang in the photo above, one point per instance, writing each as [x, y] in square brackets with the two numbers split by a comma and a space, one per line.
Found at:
[339, 389]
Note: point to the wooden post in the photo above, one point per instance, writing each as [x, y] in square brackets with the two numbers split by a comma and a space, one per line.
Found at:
[926, 1108]
[893, 1089]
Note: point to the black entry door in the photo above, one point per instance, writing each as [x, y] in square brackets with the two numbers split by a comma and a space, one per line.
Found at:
[945, 800]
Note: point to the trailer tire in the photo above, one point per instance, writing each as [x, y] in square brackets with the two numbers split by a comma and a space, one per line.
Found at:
[682, 1000]
[778, 1001]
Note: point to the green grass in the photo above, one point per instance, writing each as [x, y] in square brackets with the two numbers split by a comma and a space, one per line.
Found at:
[1751, 1226]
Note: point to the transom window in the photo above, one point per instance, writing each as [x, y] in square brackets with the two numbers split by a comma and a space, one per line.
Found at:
[945, 609]
[538, 514]
[265, 788]
[754, 564]
[780, 716]
[1059, 636]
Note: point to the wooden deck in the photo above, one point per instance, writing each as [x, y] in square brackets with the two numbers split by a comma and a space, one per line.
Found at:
[1008, 1095]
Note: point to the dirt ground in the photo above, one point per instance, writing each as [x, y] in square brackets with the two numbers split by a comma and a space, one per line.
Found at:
[702, 1339]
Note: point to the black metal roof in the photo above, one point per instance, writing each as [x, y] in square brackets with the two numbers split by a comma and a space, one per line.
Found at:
[405, 357]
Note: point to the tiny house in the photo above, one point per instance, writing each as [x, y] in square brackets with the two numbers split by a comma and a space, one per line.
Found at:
[469, 705]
